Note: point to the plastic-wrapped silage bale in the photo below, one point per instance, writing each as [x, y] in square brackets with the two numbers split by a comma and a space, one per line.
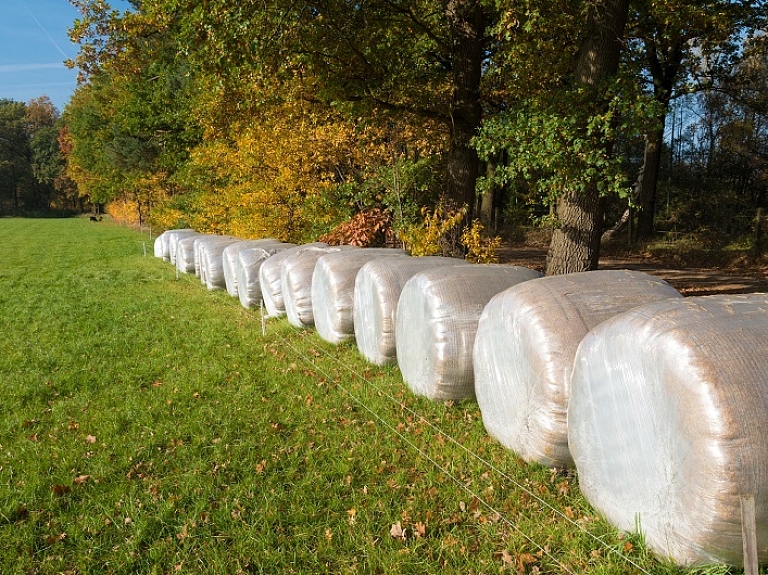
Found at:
[524, 350]
[212, 262]
[229, 260]
[173, 237]
[248, 265]
[199, 243]
[269, 278]
[296, 282]
[668, 423]
[333, 288]
[161, 247]
[185, 253]
[437, 317]
[378, 286]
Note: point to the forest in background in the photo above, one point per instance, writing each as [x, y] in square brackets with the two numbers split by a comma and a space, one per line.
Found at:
[410, 120]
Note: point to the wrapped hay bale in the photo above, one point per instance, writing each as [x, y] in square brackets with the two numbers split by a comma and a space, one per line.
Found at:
[199, 243]
[173, 237]
[269, 278]
[185, 253]
[229, 260]
[212, 262]
[668, 424]
[248, 264]
[161, 247]
[333, 288]
[377, 290]
[296, 282]
[524, 350]
[436, 323]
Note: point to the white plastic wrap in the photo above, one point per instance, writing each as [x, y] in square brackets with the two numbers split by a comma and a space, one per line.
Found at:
[524, 350]
[229, 260]
[333, 289]
[296, 283]
[248, 264]
[668, 424]
[201, 241]
[377, 290]
[212, 261]
[173, 237]
[269, 278]
[161, 247]
[437, 318]
[185, 253]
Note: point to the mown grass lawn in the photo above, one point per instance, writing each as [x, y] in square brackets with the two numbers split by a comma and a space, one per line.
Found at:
[150, 426]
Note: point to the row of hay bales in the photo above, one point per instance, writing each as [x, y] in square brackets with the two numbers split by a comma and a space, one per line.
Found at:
[659, 401]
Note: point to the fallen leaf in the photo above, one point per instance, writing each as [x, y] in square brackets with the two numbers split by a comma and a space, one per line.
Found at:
[524, 559]
[506, 557]
[52, 539]
[628, 547]
[90, 439]
[419, 529]
[73, 425]
[397, 531]
[260, 466]
[60, 490]
[352, 513]
[80, 479]
[328, 534]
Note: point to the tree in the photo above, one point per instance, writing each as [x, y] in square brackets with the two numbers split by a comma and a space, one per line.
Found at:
[678, 41]
[575, 242]
[16, 179]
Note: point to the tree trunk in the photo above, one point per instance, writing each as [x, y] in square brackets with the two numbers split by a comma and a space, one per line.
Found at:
[488, 198]
[646, 199]
[575, 245]
[466, 20]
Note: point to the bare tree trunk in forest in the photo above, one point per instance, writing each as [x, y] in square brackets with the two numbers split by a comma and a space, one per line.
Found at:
[646, 199]
[488, 199]
[575, 243]
[664, 63]
[466, 20]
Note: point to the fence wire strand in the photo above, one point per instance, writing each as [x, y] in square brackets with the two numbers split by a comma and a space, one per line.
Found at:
[457, 444]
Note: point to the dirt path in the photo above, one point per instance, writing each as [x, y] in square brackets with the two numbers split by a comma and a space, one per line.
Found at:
[689, 280]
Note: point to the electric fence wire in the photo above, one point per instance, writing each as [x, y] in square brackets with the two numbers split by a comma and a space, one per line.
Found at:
[459, 445]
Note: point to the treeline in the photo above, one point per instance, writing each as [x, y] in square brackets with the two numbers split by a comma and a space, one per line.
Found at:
[32, 178]
[285, 118]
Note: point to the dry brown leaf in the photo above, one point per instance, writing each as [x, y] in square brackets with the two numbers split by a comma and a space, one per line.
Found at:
[506, 557]
[60, 490]
[80, 479]
[52, 539]
[397, 531]
[90, 439]
[419, 529]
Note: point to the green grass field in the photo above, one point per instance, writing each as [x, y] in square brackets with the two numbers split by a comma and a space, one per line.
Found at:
[149, 426]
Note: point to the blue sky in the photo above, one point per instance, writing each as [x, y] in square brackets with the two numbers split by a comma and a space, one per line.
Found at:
[33, 47]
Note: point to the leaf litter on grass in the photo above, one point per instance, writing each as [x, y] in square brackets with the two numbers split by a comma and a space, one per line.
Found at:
[168, 434]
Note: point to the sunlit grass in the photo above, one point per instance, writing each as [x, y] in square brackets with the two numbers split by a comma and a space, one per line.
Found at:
[149, 426]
